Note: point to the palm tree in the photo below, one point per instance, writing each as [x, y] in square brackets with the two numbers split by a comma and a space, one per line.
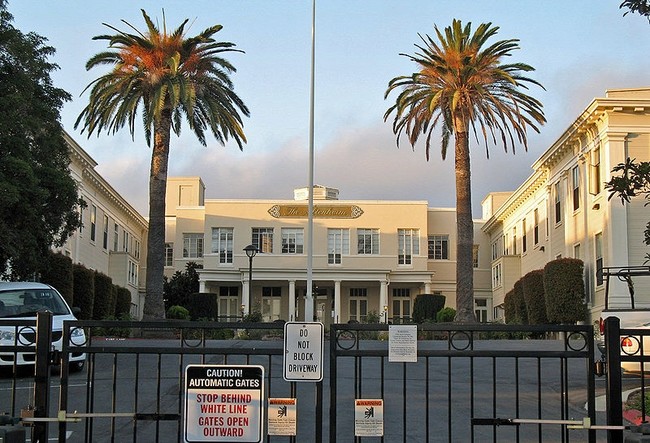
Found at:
[171, 77]
[461, 84]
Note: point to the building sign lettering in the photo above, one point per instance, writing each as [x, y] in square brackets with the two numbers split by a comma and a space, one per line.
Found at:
[320, 211]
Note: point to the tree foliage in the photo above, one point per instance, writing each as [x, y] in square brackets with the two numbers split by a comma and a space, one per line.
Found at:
[181, 285]
[641, 7]
[462, 85]
[167, 78]
[631, 179]
[38, 198]
[533, 291]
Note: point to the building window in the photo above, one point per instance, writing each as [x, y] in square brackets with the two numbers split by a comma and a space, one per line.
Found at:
[475, 256]
[495, 250]
[222, 244]
[338, 244]
[358, 304]
[481, 310]
[558, 202]
[263, 239]
[514, 240]
[169, 254]
[81, 219]
[271, 303]
[577, 253]
[594, 173]
[105, 239]
[367, 241]
[408, 245]
[126, 241]
[598, 248]
[136, 251]
[229, 308]
[439, 247]
[292, 240]
[536, 226]
[401, 306]
[93, 222]
[116, 237]
[192, 245]
[575, 183]
[496, 276]
[133, 273]
[524, 246]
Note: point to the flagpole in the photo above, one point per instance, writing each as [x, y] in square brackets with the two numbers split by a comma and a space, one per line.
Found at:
[309, 298]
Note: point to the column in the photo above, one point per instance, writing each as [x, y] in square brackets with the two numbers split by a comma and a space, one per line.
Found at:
[202, 286]
[383, 300]
[292, 300]
[245, 297]
[337, 302]
[427, 287]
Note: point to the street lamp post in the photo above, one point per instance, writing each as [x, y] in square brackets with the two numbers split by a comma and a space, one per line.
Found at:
[251, 251]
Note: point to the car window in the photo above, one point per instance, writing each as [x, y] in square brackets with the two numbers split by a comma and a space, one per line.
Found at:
[29, 301]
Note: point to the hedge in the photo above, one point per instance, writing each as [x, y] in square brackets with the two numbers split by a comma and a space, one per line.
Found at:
[103, 297]
[565, 291]
[58, 273]
[84, 290]
[427, 306]
[202, 305]
[533, 290]
[122, 302]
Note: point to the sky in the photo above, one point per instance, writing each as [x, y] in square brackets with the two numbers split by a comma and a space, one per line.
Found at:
[579, 48]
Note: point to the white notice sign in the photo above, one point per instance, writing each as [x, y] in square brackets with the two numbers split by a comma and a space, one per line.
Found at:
[303, 351]
[403, 343]
[368, 418]
[282, 414]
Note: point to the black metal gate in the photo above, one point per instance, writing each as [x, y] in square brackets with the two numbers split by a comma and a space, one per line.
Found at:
[469, 382]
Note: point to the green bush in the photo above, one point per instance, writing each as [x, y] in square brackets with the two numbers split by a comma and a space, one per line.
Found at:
[446, 315]
[565, 291]
[519, 303]
[427, 306]
[122, 332]
[372, 317]
[510, 311]
[83, 291]
[58, 273]
[202, 305]
[103, 299]
[178, 313]
[122, 302]
[533, 290]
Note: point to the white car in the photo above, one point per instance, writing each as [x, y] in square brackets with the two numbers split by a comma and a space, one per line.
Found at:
[22, 301]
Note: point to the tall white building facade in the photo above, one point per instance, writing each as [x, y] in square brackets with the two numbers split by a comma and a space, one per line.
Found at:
[563, 209]
[112, 239]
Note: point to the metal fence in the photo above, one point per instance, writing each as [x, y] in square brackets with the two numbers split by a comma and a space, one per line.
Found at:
[482, 383]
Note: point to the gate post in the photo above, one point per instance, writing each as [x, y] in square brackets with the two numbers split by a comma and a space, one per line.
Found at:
[614, 388]
[42, 375]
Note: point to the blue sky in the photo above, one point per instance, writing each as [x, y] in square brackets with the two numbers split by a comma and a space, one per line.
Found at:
[580, 48]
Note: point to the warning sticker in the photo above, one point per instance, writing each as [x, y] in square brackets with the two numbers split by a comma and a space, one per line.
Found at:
[282, 415]
[369, 417]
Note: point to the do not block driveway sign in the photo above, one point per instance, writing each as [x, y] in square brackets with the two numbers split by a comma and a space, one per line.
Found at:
[303, 351]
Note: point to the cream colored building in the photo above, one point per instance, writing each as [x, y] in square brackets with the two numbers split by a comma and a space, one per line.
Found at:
[368, 256]
[113, 237]
[563, 210]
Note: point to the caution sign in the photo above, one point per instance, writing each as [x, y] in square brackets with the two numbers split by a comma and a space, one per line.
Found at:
[224, 403]
[368, 418]
[303, 351]
[281, 415]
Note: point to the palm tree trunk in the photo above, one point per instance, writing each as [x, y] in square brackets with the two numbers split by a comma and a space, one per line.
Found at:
[154, 307]
[465, 231]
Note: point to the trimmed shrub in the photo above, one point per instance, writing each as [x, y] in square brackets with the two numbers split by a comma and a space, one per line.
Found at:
[521, 314]
[510, 311]
[533, 290]
[202, 305]
[58, 273]
[178, 313]
[446, 315]
[103, 297]
[565, 291]
[83, 291]
[122, 302]
[427, 306]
